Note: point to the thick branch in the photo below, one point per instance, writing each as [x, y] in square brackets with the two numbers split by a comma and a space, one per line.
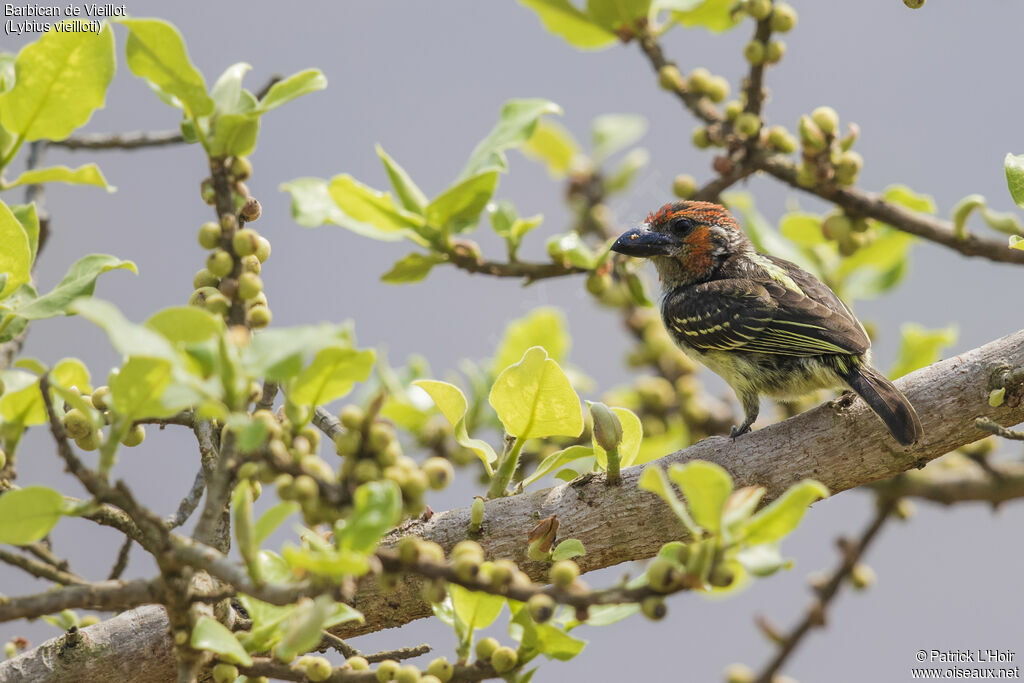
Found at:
[843, 446]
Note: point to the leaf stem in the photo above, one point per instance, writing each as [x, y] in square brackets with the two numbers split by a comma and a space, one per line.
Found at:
[506, 468]
[614, 476]
[14, 150]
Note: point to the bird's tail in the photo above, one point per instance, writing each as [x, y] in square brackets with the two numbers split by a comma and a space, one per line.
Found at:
[888, 403]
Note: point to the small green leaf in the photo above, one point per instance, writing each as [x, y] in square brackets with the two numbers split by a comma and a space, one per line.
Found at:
[783, 515]
[714, 15]
[507, 223]
[653, 479]
[618, 14]
[228, 88]
[369, 212]
[534, 398]
[411, 268]
[1014, 167]
[185, 324]
[634, 161]
[803, 229]
[557, 460]
[763, 560]
[278, 354]
[139, 389]
[89, 174]
[552, 145]
[904, 196]
[706, 487]
[563, 19]
[409, 194]
[28, 514]
[296, 85]
[16, 255]
[29, 219]
[614, 132]
[920, 347]
[378, 508]
[156, 52]
[212, 636]
[127, 337]
[568, 549]
[312, 204]
[62, 79]
[453, 405]
[516, 123]
[570, 248]
[632, 437]
[79, 281]
[235, 134]
[544, 326]
[461, 204]
[996, 397]
[22, 402]
[1016, 242]
[331, 375]
[476, 610]
[271, 519]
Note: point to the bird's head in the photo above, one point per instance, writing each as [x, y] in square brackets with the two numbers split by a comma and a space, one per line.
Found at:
[687, 241]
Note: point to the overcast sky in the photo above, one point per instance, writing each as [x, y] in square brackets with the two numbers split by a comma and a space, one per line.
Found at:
[936, 93]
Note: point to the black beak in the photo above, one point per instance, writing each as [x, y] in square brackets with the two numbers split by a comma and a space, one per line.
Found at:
[643, 242]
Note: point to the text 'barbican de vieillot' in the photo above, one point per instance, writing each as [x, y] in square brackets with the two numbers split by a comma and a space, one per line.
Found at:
[86, 9]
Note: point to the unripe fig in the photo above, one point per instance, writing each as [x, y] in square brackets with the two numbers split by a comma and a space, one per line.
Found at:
[653, 608]
[563, 573]
[251, 210]
[733, 109]
[836, 226]
[366, 471]
[504, 659]
[10, 649]
[430, 679]
[439, 472]
[476, 517]
[209, 235]
[207, 192]
[783, 18]
[662, 575]
[700, 80]
[251, 264]
[486, 647]
[358, 663]
[408, 674]
[387, 670]
[90, 441]
[263, 249]
[598, 283]
[225, 673]
[442, 669]
[241, 168]
[77, 424]
[806, 176]
[914, 4]
[204, 278]
[317, 669]
[759, 9]
[249, 286]
[3, 459]
[718, 89]
[541, 607]
[739, 673]
[862, 576]
[245, 242]
[747, 124]
[220, 263]
[701, 140]
[671, 79]
[774, 51]
[684, 185]
[827, 120]
[753, 52]
[134, 437]
[848, 167]
[780, 140]
[258, 316]
[722, 576]
[351, 417]
[433, 591]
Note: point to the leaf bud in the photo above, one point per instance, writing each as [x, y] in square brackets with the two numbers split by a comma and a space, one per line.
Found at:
[811, 134]
[607, 427]
[780, 140]
[848, 167]
[827, 120]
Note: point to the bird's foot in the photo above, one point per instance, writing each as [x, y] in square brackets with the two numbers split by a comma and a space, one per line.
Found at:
[738, 431]
[844, 400]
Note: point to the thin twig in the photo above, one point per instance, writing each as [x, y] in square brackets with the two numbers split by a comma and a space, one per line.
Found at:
[189, 503]
[39, 569]
[266, 401]
[997, 429]
[122, 560]
[399, 654]
[103, 595]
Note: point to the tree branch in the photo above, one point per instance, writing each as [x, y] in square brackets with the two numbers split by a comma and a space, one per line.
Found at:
[843, 446]
[103, 595]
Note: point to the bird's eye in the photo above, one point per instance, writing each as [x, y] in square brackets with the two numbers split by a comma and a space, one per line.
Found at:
[681, 226]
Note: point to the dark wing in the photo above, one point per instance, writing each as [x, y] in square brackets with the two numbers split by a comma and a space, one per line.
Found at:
[764, 316]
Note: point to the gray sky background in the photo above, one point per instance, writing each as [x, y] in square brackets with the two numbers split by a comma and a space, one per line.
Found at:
[934, 91]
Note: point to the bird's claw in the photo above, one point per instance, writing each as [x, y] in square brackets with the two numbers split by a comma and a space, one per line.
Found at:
[735, 431]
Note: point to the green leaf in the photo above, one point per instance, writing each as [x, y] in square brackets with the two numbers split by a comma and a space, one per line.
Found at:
[235, 134]
[570, 248]
[1014, 167]
[576, 28]
[378, 508]
[278, 354]
[552, 145]
[1016, 242]
[411, 268]
[783, 515]
[140, 389]
[714, 15]
[296, 85]
[568, 549]
[370, 213]
[26, 215]
[312, 204]
[409, 194]
[452, 403]
[343, 614]
[212, 636]
[185, 324]
[127, 337]
[547, 639]
[516, 123]
[28, 514]
[16, 255]
[88, 174]
[72, 373]
[904, 196]
[476, 610]
[79, 281]
[763, 560]
[557, 460]
[706, 487]
[887, 251]
[653, 479]
[22, 402]
[507, 223]
[331, 375]
[228, 88]
[614, 132]
[632, 436]
[156, 52]
[634, 161]
[271, 519]
[544, 326]
[920, 347]
[461, 204]
[802, 228]
[534, 398]
[618, 14]
[62, 79]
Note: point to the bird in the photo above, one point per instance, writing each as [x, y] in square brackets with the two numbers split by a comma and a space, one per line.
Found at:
[763, 324]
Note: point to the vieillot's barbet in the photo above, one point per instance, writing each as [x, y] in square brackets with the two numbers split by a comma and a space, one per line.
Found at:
[763, 324]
